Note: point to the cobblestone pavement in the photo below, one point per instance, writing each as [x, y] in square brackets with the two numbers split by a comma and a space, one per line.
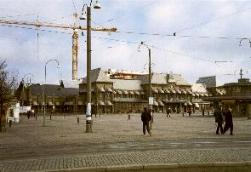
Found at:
[63, 143]
[136, 158]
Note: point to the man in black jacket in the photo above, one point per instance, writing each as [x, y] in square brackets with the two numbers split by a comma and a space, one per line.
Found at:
[228, 120]
[218, 119]
[146, 118]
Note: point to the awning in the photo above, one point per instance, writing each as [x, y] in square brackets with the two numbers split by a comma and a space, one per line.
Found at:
[155, 90]
[189, 104]
[178, 90]
[101, 89]
[185, 104]
[166, 90]
[142, 92]
[137, 92]
[119, 92]
[80, 103]
[58, 103]
[183, 91]
[161, 90]
[109, 90]
[34, 103]
[114, 92]
[201, 94]
[155, 103]
[197, 94]
[189, 91]
[69, 103]
[173, 91]
[161, 103]
[101, 103]
[125, 92]
[50, 103]
[109, 103]
[131, 92]
[196, 105]
[42, 103]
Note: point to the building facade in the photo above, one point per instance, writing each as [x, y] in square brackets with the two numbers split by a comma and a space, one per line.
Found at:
[123, 92]
[236, 95]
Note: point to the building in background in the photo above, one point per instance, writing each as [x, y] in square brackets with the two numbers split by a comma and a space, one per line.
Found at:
[236, 95]
[58, 99]
[122, 91]
[208, 81]
[118, 92]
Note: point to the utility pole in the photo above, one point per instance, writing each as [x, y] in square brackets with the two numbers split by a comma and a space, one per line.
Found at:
[150, 98]
[88, 109]
[88, 46]
[150, 73]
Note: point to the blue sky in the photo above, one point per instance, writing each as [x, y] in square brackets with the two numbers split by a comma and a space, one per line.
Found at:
[200, 26]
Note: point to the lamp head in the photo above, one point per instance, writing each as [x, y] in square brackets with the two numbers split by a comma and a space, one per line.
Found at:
[83, 16]
[97, 5]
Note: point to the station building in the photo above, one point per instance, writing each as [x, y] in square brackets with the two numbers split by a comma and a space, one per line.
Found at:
[119, 92]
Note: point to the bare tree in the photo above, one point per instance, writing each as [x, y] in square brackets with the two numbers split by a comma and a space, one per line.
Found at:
[7, 84]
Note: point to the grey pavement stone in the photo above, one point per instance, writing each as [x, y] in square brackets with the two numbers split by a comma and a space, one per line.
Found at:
[132, 159]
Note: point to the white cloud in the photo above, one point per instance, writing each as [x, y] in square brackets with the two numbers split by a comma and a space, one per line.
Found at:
[195, 18]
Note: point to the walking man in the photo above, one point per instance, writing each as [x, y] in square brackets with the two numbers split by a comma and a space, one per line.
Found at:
[146, 118]
[228, 120]
[168, 111]
[218, 119]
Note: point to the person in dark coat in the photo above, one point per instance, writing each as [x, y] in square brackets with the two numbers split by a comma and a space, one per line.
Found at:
[228, 120]
[168, 111]
[146, 118]
[218, 119]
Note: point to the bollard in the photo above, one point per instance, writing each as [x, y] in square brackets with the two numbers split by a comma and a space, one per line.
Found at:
[50, 116]
[129, 117]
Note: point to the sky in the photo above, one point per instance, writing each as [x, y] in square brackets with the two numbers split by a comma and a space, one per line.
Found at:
[207, 31]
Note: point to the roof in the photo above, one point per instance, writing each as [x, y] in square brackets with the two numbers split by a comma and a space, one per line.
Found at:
[98, 75]
[71, 83]
[53, 90]
[126, 84]
[199, 88]
[178, 79]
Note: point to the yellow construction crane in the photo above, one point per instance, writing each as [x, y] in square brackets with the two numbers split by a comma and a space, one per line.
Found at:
[75, 36]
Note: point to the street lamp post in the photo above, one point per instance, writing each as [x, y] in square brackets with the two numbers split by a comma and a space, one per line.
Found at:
[44, 87]
[150, 98]
[88, 72]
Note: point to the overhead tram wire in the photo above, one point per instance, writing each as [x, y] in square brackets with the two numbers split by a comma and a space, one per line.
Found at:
[210, 21]
[183, 36]
[115, 40]
[32, 28]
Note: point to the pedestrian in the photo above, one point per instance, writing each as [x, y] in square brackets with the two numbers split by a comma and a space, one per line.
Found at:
[189, 111]
[28, 114]
[146, 118]
[203, 111]
[168, 111]
[227, 113]
[218, 119]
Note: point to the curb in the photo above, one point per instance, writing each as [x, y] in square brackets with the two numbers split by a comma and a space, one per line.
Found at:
[154, 167]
